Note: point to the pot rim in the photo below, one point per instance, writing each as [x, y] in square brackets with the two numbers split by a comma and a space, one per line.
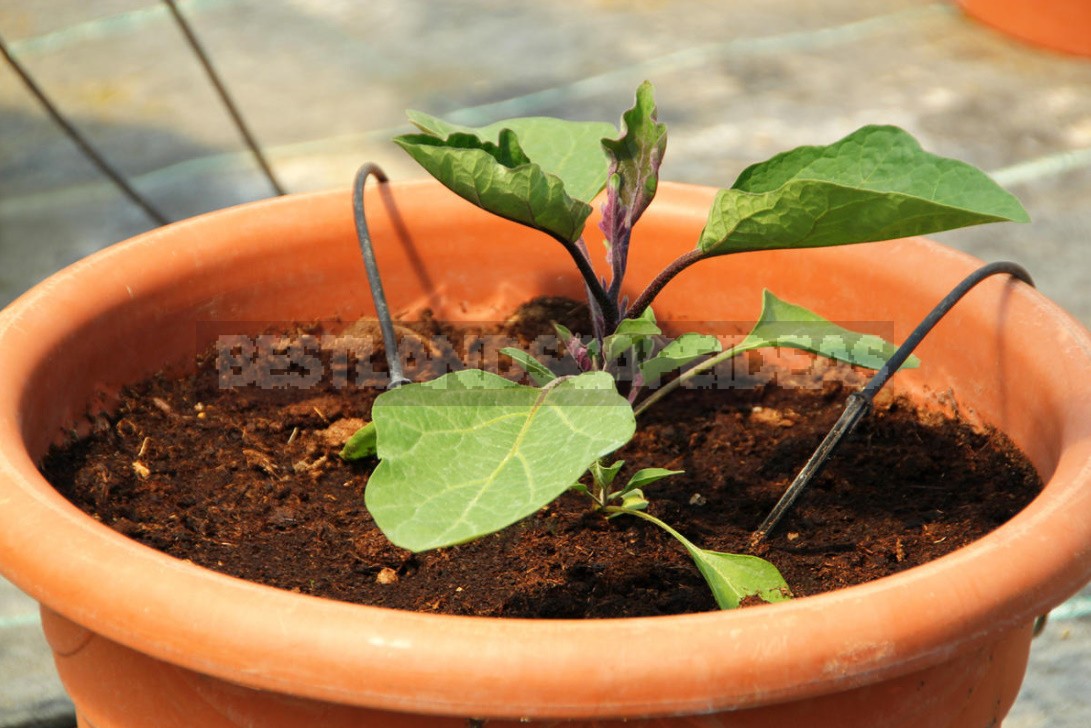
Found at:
[446, 664]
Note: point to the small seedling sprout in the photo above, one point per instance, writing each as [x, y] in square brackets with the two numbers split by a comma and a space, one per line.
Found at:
[471, 452]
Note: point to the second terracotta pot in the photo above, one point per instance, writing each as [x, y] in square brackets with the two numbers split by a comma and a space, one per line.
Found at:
[1059, 25]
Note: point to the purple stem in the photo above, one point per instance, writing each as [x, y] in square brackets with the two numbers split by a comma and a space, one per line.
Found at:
[617, 226]
[598, 320]
[637, 385]
[596, 290]
[665, 276]
[619, 255]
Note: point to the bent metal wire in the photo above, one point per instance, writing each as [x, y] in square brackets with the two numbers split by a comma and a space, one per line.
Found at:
[859, 403]
[375, 281]
[100, 162]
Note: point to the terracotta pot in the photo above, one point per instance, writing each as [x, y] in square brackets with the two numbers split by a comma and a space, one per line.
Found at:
[1060, 25]
[143, 639]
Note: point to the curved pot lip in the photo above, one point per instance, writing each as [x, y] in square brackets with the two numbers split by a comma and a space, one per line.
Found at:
[448, 664]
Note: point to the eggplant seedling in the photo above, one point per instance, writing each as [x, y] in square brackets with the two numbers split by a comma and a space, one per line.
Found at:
[470, 453]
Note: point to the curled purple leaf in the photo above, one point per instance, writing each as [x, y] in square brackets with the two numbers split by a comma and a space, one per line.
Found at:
[632, 179]
[575, 348]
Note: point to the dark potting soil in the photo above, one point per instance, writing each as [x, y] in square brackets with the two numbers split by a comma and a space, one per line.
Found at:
[247, 481]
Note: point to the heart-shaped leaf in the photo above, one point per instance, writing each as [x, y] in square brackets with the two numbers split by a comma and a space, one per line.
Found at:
[469, 453]
[501, 179]
[569, 150]
[786, 324]
[875, 184]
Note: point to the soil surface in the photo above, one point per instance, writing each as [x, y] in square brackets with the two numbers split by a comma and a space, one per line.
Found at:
[247, 481]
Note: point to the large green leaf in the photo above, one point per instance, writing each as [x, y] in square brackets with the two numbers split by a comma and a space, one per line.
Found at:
[470, 452]
[788, 325]
[875, 184]
[570, 150]
[501, 179]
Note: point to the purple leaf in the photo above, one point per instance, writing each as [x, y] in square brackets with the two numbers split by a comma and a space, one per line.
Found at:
[633, 177]
[576, 348]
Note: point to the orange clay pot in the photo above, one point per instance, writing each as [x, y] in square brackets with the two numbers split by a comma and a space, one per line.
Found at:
[142, 639]
[1060, 25]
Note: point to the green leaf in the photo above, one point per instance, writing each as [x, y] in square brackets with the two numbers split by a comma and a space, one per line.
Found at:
[469, 453]
[646, 476]
[677, 354]
[634, 499]
[642, 325]
[630, 333]
[633, 176]
[733, 577]
[501, 179]
[563, 332]
[361, 444]
[538, 371]
[570, 150]
[786, 324]
[635, 157]
[875, 184]
[604, 474]
[631, 500]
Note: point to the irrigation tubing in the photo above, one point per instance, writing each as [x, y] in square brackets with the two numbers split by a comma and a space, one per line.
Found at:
[860, 403]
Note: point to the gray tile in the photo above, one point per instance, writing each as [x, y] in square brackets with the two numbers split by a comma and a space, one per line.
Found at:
[31, 695]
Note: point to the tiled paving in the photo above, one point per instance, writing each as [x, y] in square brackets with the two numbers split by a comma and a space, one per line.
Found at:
[324, 83]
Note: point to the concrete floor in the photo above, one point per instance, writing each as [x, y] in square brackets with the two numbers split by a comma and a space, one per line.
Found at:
[324, 85]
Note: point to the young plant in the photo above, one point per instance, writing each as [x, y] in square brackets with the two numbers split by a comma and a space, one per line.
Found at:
[471, 452]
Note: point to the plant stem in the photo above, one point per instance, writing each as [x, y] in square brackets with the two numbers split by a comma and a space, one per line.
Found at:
[598, 319]
[594, 287]
[651, 519]
[680, 264]
[691, 373]
[619, 251]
